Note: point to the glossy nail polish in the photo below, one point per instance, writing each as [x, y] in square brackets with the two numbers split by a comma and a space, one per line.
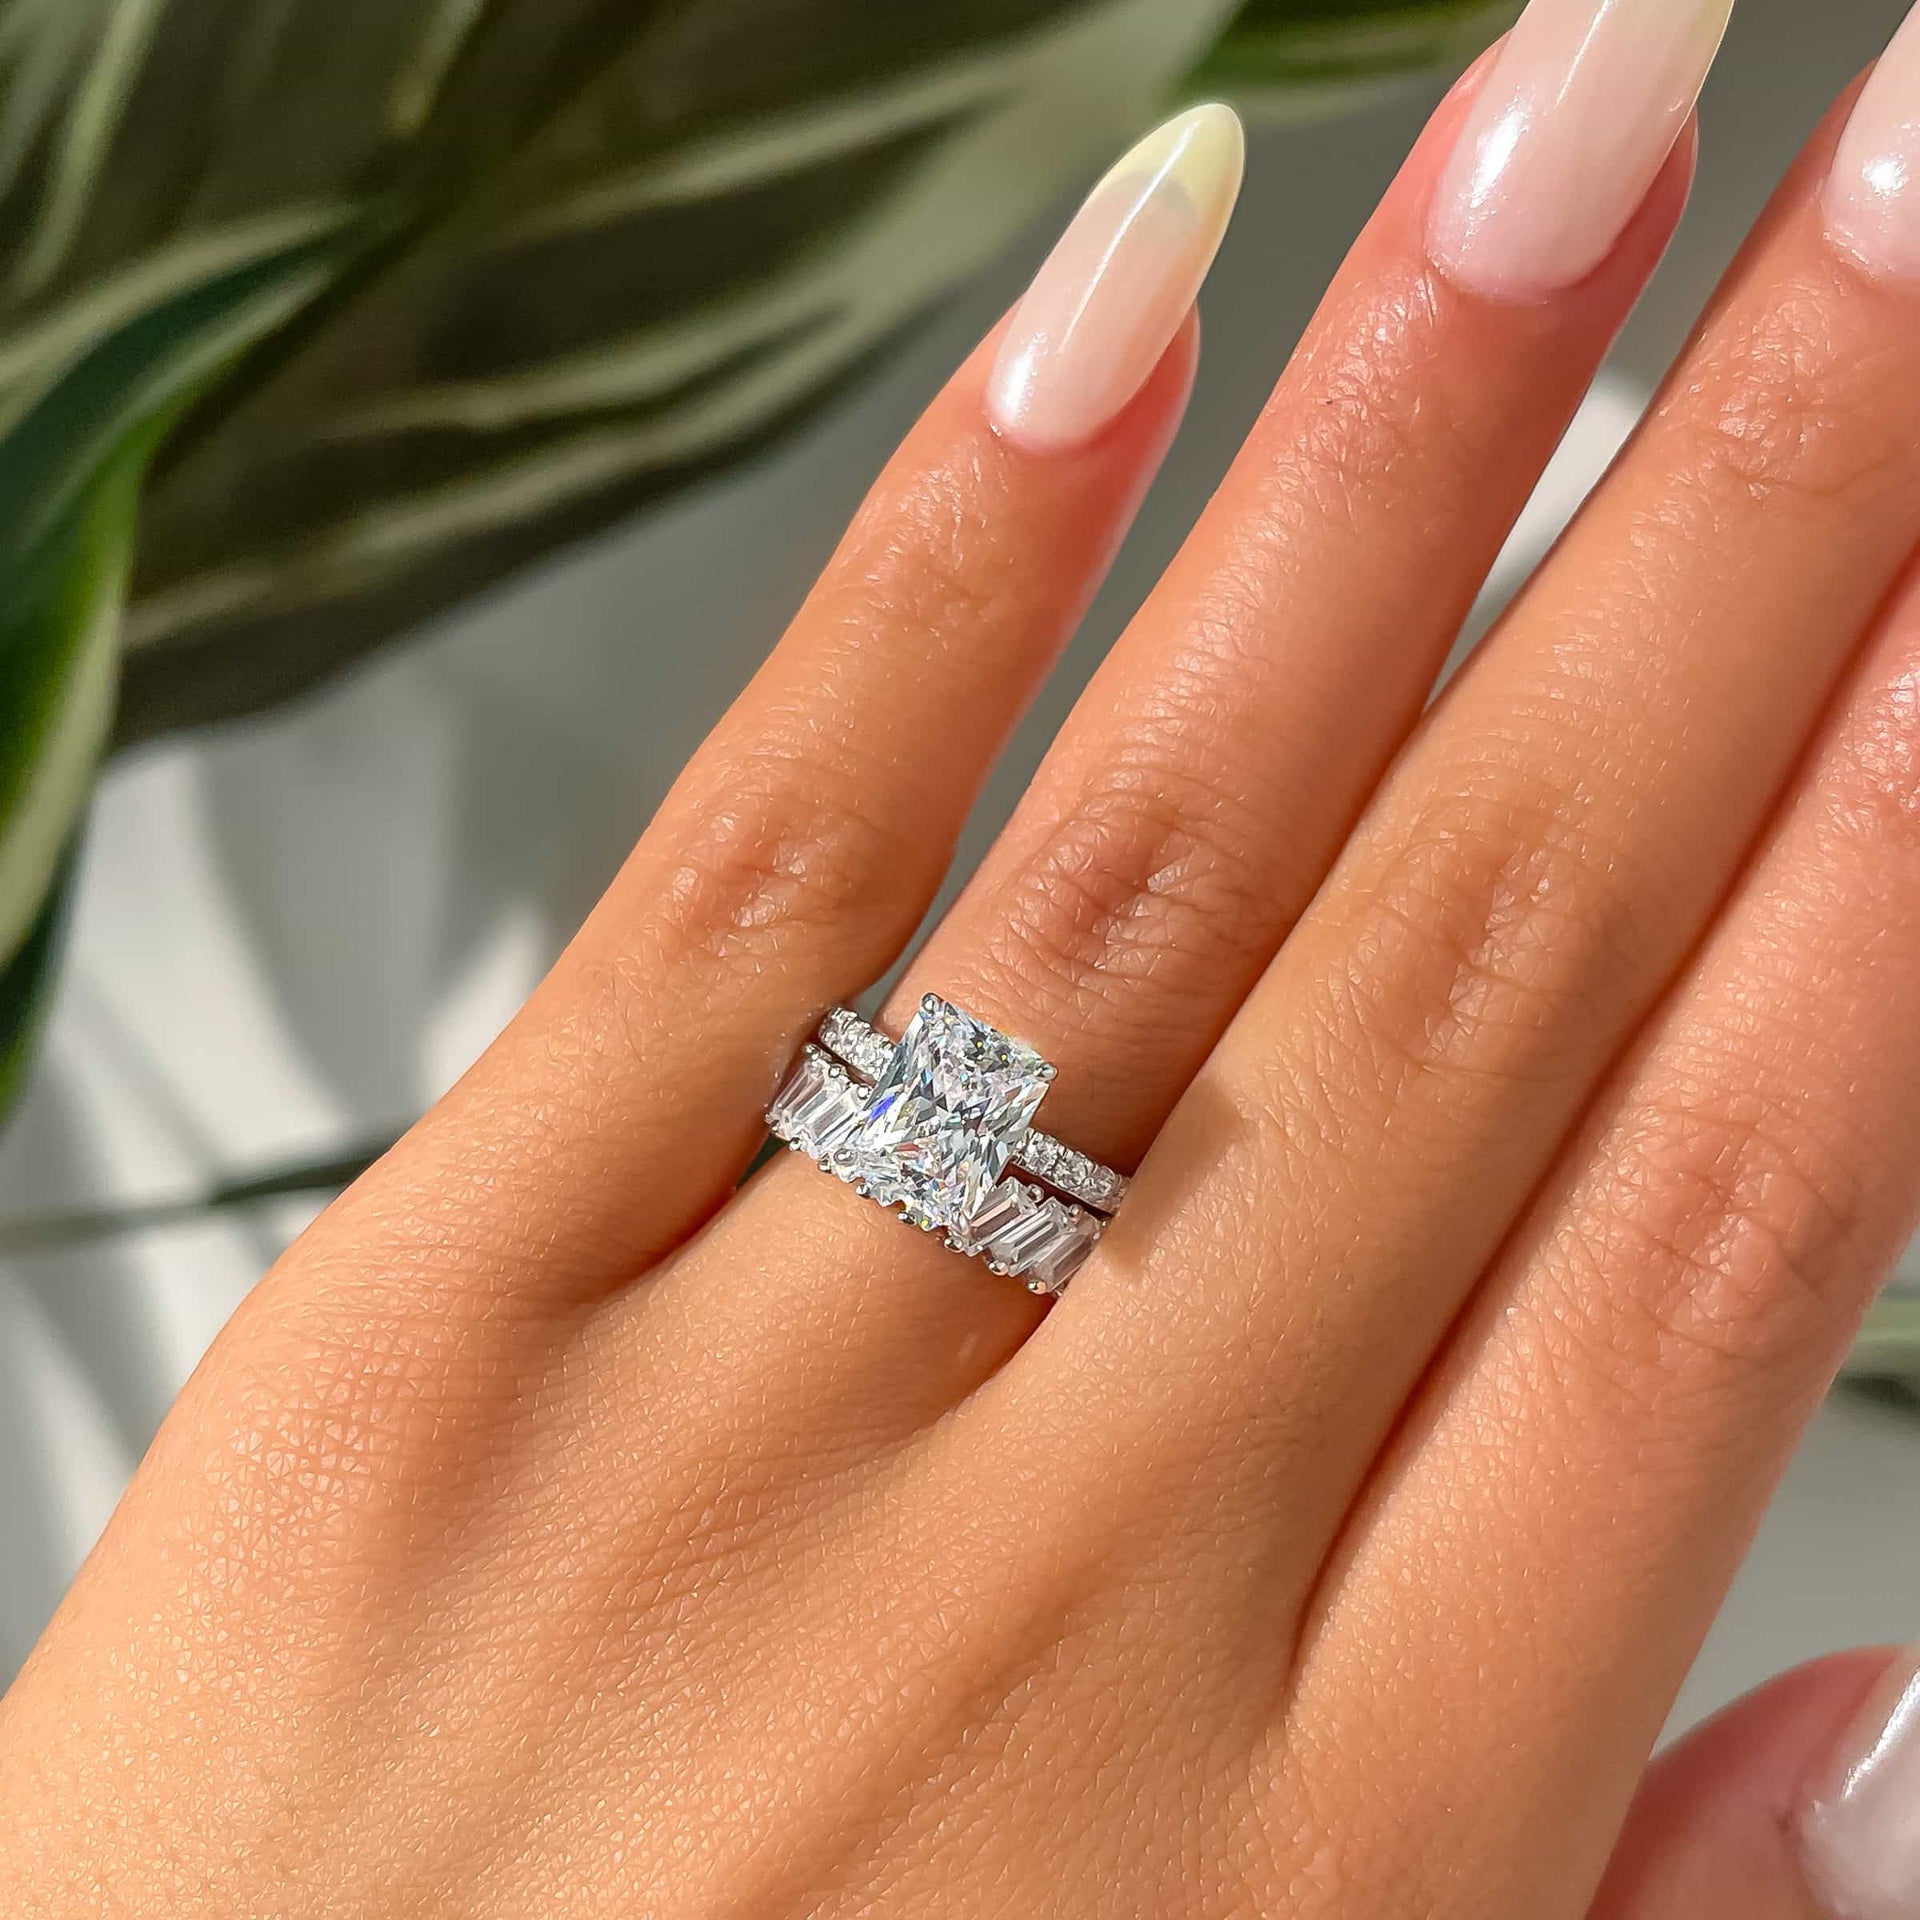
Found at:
[1872, 198]
[1567, 134]
[1860, 1833]
[1106, 305]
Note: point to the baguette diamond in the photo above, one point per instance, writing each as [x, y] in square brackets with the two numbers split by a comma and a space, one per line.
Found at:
[817, 1107]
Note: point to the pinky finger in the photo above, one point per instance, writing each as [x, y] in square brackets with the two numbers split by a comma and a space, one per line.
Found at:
[1645, 1354]
[1719, 1829]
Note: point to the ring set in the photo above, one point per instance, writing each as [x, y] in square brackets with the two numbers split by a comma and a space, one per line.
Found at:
[940, 1127]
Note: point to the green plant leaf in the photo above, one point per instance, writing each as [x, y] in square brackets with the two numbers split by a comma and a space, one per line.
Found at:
[80, 414]
[26, 984]
[404, 292]
[1889, 1345]
[1290, 60]
[624, 242]
[632, 241]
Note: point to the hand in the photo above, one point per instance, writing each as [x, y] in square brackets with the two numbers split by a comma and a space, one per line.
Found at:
[1526, 1099]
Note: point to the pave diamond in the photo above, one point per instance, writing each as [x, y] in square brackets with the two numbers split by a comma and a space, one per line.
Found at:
[945, 1119]
[859, 1045]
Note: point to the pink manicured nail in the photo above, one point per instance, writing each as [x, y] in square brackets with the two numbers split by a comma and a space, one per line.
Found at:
[1860, 1833]
[1106, 305]
[1872, 197]
[1568, 133]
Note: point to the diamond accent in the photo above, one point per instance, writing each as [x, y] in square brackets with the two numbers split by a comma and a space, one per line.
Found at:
[1031, 1236]
[1074, 1241]
[1028, 1240]
[1007, 1205]
[944, 1120]
[817, 1107]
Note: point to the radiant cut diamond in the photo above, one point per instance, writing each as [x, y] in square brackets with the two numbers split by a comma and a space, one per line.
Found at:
[946, 1118]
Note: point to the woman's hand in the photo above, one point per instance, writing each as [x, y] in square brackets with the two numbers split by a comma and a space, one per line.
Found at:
[1527, 1102]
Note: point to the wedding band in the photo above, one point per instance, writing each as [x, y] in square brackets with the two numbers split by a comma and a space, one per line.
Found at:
[932, 1126]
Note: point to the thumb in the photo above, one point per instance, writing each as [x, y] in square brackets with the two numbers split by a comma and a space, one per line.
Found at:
[1800, 1802]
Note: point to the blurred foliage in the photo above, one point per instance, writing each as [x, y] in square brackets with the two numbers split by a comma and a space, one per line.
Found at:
[363, 303]
[1889, 1348]
[1305, 59]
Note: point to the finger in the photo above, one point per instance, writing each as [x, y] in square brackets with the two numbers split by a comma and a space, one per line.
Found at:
[1615, 1411]
[1540, 864]
[1198, 794]
[1189, 809]
[805, 841]
[1714, 1828]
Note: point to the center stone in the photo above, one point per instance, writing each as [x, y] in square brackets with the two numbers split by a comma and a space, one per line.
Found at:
[946, 1118]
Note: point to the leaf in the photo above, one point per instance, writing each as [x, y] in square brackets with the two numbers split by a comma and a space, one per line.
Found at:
[625, 241]
[631, 242]
[1889, 1345]
[79, 418]
[1287, 60]
[26, 983]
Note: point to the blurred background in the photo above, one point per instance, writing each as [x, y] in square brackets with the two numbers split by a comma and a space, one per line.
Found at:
[488, 468]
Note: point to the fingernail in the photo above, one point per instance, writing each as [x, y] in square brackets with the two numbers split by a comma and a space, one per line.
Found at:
[1860, 1833]
[1105, 307]
[1568, 133]
[1872, 199]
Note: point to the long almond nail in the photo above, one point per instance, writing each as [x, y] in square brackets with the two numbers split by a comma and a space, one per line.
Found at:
[1873, 196]
[1860, 1833]
[1105, 307]
[1567, 135]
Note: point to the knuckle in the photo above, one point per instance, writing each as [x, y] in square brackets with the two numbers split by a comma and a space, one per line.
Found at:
[1873, 779]
[1723, 1242]
[1488, 930]
[777, 846]
[1785, 407]
[1372, 402]
[332, 1387]
[1154, 873]
[929, 556]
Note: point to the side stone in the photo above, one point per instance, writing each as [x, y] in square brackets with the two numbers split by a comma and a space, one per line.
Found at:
[817, 1107]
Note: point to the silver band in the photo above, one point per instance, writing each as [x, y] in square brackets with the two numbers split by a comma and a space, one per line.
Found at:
[933, 1125]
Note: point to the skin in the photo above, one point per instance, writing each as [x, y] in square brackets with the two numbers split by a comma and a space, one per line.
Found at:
[1531, 1097]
